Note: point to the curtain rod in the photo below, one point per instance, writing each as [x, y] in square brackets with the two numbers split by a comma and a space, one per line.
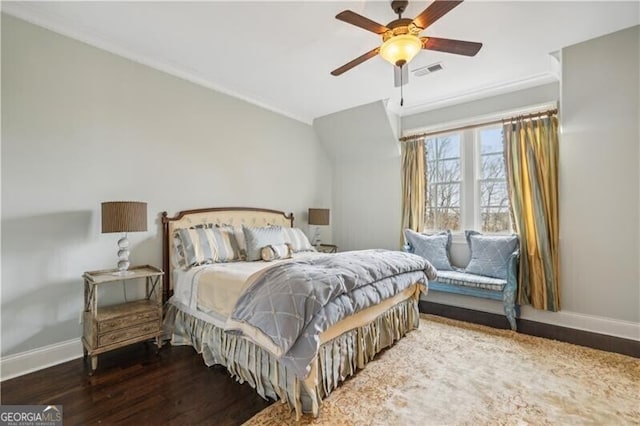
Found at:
[486, 123]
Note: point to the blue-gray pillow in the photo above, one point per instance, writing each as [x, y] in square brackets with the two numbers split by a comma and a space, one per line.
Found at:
[490, 254]
[434, 248]
[257, 238]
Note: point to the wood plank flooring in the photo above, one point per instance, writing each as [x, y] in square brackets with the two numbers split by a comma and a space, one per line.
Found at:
[133, 385]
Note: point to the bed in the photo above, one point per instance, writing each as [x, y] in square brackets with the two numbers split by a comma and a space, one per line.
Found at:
[203, 308]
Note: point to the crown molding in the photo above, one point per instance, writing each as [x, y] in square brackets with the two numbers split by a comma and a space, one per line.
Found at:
[478, 93]
[22, 10]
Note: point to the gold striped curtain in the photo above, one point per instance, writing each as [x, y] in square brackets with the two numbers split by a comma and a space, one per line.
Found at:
[413, 185]
[531, 153]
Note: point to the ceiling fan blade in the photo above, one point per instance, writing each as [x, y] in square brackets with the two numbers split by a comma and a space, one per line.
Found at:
[459, 47]
[433, 12]
[357, 61]
[400, 76]
[360, 21]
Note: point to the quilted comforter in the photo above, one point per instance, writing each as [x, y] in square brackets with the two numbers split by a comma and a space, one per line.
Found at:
[286, 307]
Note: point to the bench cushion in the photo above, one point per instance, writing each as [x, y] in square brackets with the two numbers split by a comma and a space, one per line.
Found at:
[470, 280]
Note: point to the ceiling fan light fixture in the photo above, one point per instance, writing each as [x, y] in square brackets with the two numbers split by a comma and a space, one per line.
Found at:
[401, 49]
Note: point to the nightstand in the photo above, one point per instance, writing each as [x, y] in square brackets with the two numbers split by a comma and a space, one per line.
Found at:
[111, 327]
[327, 248]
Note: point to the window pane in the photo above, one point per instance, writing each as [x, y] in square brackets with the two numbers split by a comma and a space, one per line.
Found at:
[443, 206]
[432, 171]
[491, 140]
[448, 171]
[448, 219]
[430, 148]
[442, 147]
[492, 167]
[432, 196]
[449, 146]
[448, 195]
[493, 194]
[495, 219]
[494, 209]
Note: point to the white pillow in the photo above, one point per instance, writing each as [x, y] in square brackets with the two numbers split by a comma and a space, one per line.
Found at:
[257, 238]
[297, 239]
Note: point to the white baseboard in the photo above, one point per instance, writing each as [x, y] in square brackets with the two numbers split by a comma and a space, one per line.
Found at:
[36, 359]
[591, 323]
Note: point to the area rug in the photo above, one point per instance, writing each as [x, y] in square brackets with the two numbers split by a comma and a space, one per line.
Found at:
[455, 373]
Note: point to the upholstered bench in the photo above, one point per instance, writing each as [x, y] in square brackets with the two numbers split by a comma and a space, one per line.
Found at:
[492, 272]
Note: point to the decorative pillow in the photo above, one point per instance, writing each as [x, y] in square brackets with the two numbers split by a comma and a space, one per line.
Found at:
[281, 251]
[202, 244]
[257, 238]
[434, 248]
[226, 242]
[490, 253]
[238, 236]
[177, 252]
[196, 246]
[297, 239]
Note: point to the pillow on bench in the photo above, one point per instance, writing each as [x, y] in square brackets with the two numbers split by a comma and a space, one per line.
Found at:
[490, 254]
[434, 248]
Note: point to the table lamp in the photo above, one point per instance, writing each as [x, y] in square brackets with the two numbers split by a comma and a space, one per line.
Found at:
[124, 216]
[318, 217]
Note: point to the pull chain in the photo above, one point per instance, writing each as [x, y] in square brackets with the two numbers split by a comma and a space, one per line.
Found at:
[401, 87]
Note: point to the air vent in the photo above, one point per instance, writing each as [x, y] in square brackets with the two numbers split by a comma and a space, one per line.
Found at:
[419, 72]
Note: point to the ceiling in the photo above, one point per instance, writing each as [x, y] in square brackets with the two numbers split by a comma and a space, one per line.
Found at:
[278, 54]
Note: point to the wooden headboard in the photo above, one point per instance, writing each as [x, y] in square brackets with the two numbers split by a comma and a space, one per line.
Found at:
[234, 216]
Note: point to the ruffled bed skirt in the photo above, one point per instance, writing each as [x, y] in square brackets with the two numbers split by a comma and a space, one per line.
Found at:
[337, 358]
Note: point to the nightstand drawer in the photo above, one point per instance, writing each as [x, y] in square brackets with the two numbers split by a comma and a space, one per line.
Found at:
[127, 321]
[127, 333]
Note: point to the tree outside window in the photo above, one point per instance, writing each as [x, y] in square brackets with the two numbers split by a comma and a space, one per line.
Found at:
[444, 181]
[492, 182]
[487, 198]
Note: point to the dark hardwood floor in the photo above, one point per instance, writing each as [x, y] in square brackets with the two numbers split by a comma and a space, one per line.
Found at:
[133, 385]
[533, 328]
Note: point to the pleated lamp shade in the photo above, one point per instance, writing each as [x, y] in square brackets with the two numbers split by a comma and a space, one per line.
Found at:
[319, 217]
[124, 216]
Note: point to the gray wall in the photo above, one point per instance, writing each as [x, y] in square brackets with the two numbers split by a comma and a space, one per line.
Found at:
[599, 157]
[81, 126]
[366, 176]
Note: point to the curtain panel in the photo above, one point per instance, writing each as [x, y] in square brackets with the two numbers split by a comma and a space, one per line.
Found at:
[413, 186]
[531, 154]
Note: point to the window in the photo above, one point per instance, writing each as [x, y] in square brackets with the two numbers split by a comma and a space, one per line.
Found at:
[492, 182]
[444, 182]
[466, 181]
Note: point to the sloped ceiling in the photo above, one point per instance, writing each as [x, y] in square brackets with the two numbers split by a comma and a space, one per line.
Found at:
[360, 132]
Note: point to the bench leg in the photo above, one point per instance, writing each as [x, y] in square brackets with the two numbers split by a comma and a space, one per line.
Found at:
[510, 312]
[510, 308]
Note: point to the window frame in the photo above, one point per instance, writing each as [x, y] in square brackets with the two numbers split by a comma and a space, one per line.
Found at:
[471, 179]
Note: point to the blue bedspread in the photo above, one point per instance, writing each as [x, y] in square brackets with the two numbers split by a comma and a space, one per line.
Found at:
[288, 306]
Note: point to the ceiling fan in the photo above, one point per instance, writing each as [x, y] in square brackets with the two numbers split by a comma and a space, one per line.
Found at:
[400, 40]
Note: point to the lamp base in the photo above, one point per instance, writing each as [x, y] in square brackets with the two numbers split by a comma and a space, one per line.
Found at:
[123, 255]
[315, 241]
